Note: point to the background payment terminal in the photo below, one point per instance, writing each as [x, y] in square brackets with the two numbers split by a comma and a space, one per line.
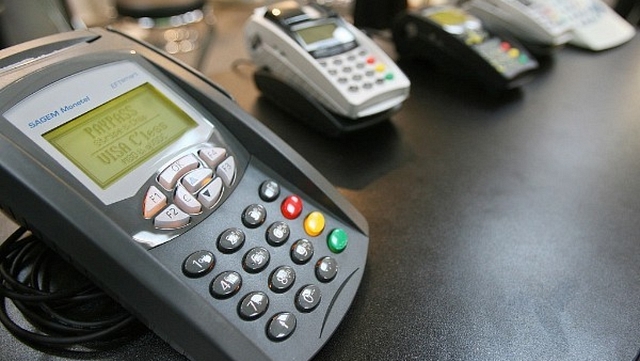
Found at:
[457, 42]
[313, 62]
[189, 212]
[589, 24]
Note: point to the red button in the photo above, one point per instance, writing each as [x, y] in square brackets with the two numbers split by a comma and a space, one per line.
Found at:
[371, 60]
[291, 207]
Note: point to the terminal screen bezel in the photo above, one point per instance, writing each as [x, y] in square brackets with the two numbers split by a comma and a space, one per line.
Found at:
[76, 95]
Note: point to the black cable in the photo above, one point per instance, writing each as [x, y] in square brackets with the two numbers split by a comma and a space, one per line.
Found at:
[63, 316]
[15, 256]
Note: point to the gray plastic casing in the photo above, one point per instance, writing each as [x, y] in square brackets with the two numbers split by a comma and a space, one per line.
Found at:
[40, 194]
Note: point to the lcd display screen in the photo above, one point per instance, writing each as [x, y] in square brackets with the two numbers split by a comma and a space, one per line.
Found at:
[449, 17]
[314, 34]
[110, 141]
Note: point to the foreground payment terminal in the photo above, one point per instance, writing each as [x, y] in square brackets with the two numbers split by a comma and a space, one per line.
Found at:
[188, 211]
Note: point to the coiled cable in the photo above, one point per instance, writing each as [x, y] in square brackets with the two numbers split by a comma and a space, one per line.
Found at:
[63, 307]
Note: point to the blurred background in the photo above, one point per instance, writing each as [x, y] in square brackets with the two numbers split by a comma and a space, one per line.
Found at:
[183, 28]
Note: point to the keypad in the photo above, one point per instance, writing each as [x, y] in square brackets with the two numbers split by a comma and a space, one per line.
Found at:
[188, 186]
[303, 234]
[357, 70]
[504, 56]
[582, 12]
[549, 15]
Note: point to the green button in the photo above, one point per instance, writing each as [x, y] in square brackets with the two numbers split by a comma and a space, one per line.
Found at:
[337, 240]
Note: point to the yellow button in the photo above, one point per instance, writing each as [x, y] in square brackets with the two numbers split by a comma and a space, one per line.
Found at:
[314, 223]
[514, 53]
[380, 68]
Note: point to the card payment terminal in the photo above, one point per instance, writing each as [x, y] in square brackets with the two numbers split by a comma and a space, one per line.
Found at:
[188, 211]
[311, 61]
[457, 42]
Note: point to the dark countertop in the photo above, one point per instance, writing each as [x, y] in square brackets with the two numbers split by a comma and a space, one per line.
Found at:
[502, 227]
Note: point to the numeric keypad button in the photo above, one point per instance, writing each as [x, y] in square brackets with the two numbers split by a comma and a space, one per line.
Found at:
[301, 251]
[254, 216]
[269, 191]
[278, 233]
[326, 269]
[253, 305]
[198, 264]
[226, 284]
[281, 326]
[256, 259]
[282, 278]
[231, 240]
[308, 298]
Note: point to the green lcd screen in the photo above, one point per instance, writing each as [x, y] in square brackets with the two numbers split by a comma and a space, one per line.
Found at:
[111, 140]
[449, 17]
[314, 34]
